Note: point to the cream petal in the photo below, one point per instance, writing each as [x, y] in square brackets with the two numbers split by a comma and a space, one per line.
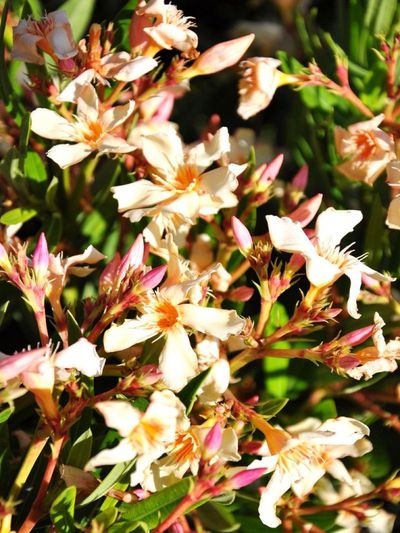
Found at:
[115, 116]
[24, 47]
[354, 276]
[393, 214]
[120, 453]
[320, 271]
[204, 154]
[163, 152]
[72, 90]
[66, 155]
[119, 415]
[304, 477]
[89, 256]
[337, 470]
[51, 125]
[114, 145]
[229, 446]
[216, 382]
[279, 483]
[221, 180]
[220, 323]
[338, 431]
[141, 193]
[135, 69]
[332, 225]
[62, 43]
[88, 103]
[129, 333]
[178, 361]
[166, 35]
[83, 357]
[288, 236]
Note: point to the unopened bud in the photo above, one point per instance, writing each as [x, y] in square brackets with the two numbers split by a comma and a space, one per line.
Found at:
[358, 336]
[40, 258]
[242, 235]
[67, 66]
[241, 294]
[133, 257]
[219, 57]
[306, 210]
[212, 442]
[246, 477]
[300, 180]
[152, 278]
[4, 261]
[271, 171]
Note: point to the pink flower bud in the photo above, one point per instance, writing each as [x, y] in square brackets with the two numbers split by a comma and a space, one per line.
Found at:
[354, 338]
[300, 180]
[242, 235]
[271, 171]
[220, 56]
[177, 528]
[348, 362]
[241, 294]
[67, 65]
[241, 479]
[40, 258]
[133, 257]
[153, 277]
[12, 366]
[306, 210]
[212, 442]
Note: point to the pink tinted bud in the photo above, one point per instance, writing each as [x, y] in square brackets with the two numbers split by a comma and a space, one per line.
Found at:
[165, 108]
[354, 338]
[306, 210]
[295, 263]
[300, 180]
[4, 261]
[342, 73]
[40, 257]
[133, 257]
[271, 171]
[13, 365]
[153, 277]
[212, 442]
[177, 528]
[220, 56]
[241, 294]
[149, 374]
[67, 65]
[138, 38]
[348, 362]
[242, 235]
[241, 479]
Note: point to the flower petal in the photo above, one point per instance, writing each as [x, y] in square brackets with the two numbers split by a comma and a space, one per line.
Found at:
[119, 415]
[278, 484]
[115, 116]
[83, 357]
[220, 323]
[288, 236]
[204, 154]
[320, 271]
[115, 145]
[88, 103]
[141, 193]
[163, 152]
[178, 361]
[51, 125]
[72, 90]
[66, 155]
[124, 451]
[129, 333]
[135, 69]
[333, 224]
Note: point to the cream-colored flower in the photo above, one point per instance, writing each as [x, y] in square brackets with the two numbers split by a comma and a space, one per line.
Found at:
[119, 66]
[367, 150]
[145, 435]
[393, 179]
[378, 358]
[325, 261]
[169, 28]
[303, 455]
[90, 131]
[166, 314]
[51, 34]
[180, 191]
[259, 81]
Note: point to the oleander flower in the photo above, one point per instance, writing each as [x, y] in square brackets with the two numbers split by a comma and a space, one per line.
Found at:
[393, 180]
[367, 150]
[166, 314]
[303, 454]
[181, 190]
[325, 261]
[260, 79]
[378, 358]
[145, 435]
[51, 34]
[90, 131]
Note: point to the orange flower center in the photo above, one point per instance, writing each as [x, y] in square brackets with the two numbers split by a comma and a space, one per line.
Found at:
[147, 434]
[166, 314]
[92, 132]
[365, 144]
[187, 178]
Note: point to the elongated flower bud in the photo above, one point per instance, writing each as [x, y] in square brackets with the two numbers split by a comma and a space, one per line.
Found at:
[242, 235]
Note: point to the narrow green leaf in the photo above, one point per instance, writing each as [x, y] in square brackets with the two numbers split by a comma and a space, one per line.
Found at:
[17, 215]
[218, 518]
[51, 194]
[272, 407]
[106, 518]
[24, 133]
[62, 511]
[74, 331]
[170, 495]
[189, 393]
[5, 414]
[79, 14]
[384, 16]
[3, 311]
[81, 450]
[117, 473]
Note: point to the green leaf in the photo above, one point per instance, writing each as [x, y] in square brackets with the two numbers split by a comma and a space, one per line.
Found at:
[24, 133]
[51, 194]
[384, 17]
[188, 394]
[276, 382]
[270, 408]
[17, 215]
[325, 409]
[81, 450]
[74, 331]
[5, 414]
[122, 22]
[79, 14]
[216, 517]
[106, 518]
[117, 473]
[34, 167]
[53, 229]
[3, 311]
[173, 494]
[62, 511]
